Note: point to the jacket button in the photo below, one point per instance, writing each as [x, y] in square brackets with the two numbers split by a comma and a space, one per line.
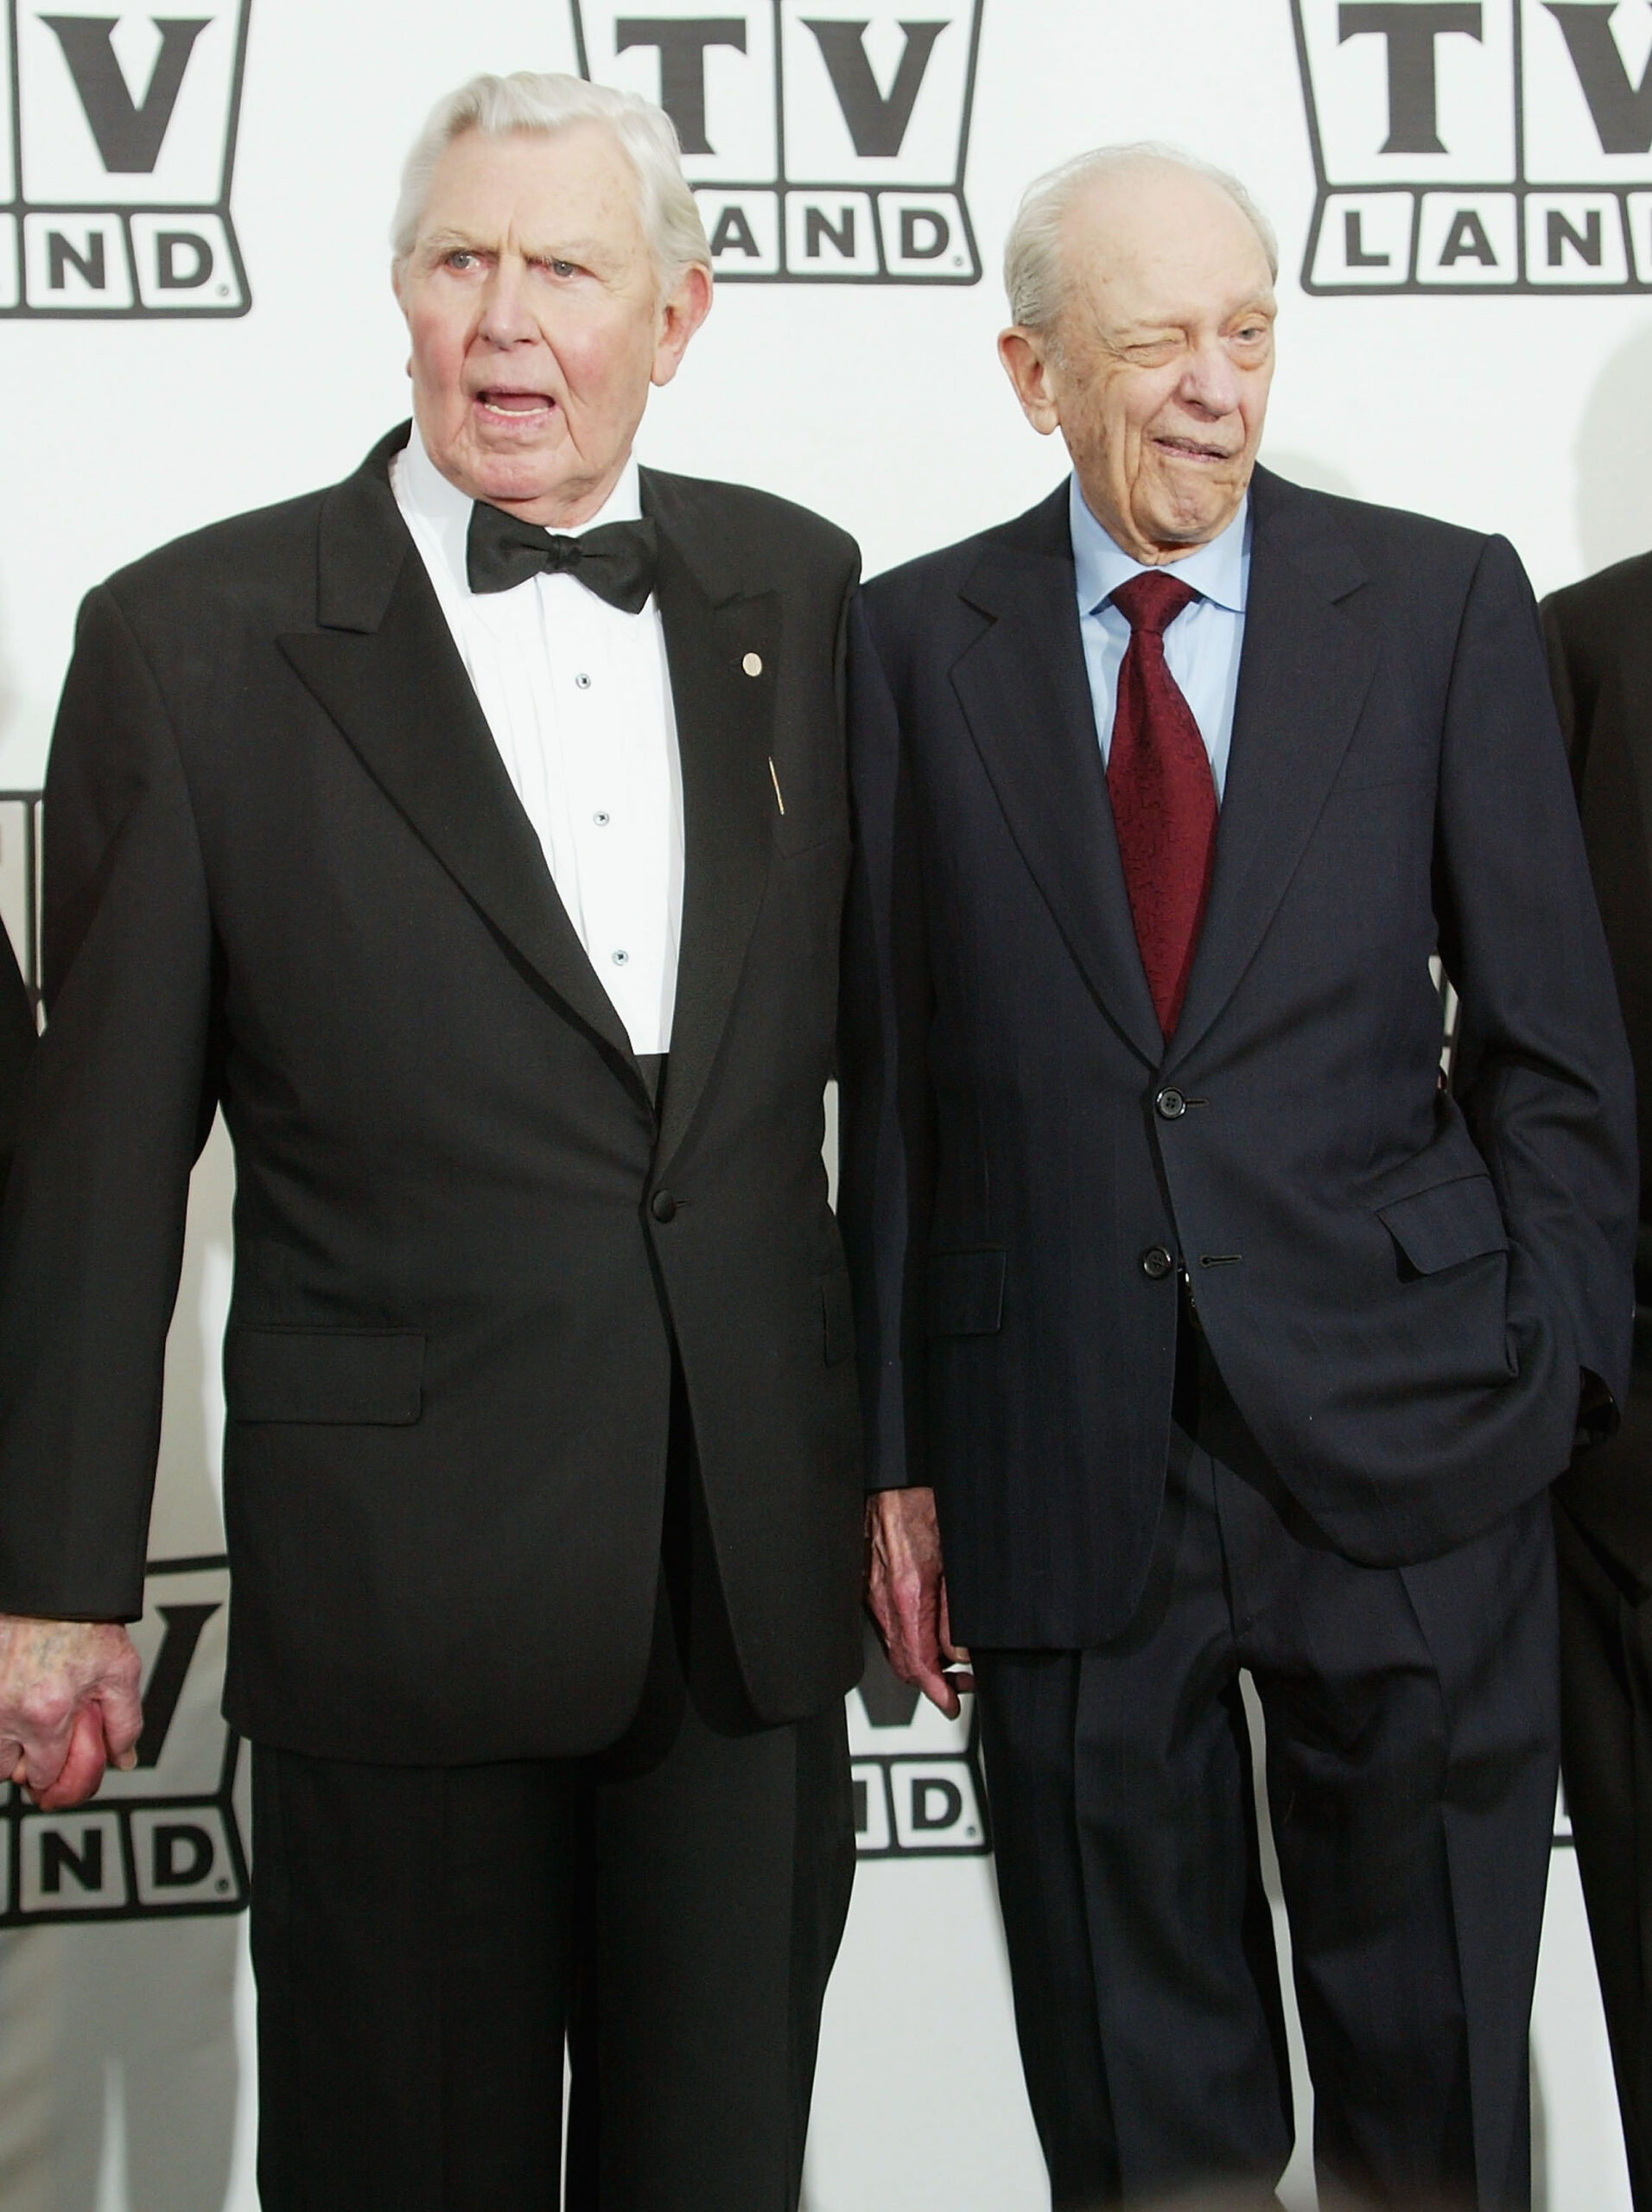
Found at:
[1156, 1263]
[663, 1207]
[1170, 1105]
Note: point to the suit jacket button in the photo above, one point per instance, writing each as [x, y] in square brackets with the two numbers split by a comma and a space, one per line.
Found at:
[1156, 1263]
[1170, 1105]
[663, 1207]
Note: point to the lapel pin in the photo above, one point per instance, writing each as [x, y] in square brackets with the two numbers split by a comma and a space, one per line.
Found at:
[773, 778]
[752, 664]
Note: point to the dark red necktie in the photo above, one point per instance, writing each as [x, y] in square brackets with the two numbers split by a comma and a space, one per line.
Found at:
[1164, 796]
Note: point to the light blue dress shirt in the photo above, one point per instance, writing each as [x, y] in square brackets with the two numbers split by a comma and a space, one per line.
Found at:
[1202, 646]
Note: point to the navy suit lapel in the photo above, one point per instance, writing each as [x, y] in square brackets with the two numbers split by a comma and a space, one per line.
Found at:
[1303, 674]
[384, 666]
[715, 630]
[1024, 691]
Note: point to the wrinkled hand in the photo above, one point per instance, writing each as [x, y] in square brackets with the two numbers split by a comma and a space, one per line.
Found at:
[68, 1705]
[906, 1594]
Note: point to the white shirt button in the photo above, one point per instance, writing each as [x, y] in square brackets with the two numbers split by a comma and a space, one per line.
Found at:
[620, 958]
[600, 818]
[582, 682]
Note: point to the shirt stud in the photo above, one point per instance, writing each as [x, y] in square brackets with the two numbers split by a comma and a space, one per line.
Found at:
[752, 664]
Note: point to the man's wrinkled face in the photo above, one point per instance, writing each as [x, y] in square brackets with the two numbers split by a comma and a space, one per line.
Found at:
[537, 319]
[1158, 373]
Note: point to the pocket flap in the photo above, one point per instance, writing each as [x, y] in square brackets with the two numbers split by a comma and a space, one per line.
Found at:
[370, 1376]
[1447, 1223]
[839, 1315]
[966, 1292]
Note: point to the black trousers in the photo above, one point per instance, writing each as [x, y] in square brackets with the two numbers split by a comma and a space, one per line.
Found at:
[425, 1938]
[1411, 1753]
[1606, 1739]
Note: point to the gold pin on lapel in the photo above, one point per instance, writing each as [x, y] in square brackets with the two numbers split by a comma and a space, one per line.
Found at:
[775, 780]
[752, 664]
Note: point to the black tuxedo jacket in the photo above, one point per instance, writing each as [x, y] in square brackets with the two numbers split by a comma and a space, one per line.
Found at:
[1400, 1286]
[286, 873]
[1599, 635]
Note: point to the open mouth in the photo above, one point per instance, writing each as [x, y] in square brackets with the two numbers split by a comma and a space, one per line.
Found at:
[506, 405]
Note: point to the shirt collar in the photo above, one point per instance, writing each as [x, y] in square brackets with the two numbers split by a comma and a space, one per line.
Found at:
[1218, 571]
[445, 511]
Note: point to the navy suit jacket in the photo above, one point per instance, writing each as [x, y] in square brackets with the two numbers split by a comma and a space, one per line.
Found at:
[1399, 1283]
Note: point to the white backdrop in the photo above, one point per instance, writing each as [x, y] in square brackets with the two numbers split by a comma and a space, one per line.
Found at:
[1473, 338]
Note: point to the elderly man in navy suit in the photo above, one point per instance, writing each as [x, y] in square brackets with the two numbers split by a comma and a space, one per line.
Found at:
[1207, 1328]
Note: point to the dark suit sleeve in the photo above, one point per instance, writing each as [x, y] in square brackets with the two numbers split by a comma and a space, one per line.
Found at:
[1542, 1071]
[887, 1115]
[17, 1042]
[117, 1105]
[1563, 690]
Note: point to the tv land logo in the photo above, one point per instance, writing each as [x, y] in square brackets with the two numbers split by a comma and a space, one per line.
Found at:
[116, 143]
[163, 1841]
[826, 142]
[1479, 145]
[916, 1775]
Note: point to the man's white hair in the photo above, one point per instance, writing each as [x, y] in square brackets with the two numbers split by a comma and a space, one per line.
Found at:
[1036, 274]
[529, 103]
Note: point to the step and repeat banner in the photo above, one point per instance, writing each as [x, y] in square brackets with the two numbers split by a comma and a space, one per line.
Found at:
[195, 318]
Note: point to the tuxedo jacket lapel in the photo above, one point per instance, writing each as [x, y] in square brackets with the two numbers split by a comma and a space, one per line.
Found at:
[724, 729]
[1303, 673]
[1024, 691]
[383, 665]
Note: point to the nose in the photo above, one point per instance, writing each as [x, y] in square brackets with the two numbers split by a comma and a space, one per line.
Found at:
[1210, 383]
[506, 320]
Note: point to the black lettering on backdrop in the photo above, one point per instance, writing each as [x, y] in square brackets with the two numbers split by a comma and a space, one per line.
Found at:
[877, 125]
[1586, 243]
[936, 1804]
[167, 1676]
[733, 234]
[817, 227]
[188, 273]
[129, 136]
[1468, 242]
[58, 1857]
[183, 1855]
[91, 264]
[1621, 111]
[683, 65]
[1354, 245]
[1411, 32]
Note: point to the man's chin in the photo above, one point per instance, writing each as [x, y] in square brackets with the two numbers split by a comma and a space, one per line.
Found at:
[518, 477]
[1192, 515]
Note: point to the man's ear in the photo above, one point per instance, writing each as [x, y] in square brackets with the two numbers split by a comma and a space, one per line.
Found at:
[681, 314]
[1026, 356]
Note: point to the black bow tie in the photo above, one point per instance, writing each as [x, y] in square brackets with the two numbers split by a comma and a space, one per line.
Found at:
[616, 562]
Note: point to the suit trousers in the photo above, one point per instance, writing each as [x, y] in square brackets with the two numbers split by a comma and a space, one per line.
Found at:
[425, 1939]
[1606, 1744]
[1411, 1766]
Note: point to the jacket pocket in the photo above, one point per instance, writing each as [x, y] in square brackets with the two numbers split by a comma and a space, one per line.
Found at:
[371, 1376]
[838, 1313]
[1447, 1223]
[966, 1292]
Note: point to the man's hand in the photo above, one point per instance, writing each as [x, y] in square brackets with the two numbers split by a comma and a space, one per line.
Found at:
[905, 1593]
[68, 1705]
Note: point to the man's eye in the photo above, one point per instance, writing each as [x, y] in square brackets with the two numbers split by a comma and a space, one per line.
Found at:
[461, 258]
[562, 268]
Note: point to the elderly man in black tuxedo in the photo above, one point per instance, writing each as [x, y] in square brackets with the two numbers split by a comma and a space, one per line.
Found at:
[474, 835]
[1599, 635]
[1207, 1329]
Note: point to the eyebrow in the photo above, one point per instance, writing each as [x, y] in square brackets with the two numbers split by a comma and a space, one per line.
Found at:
[452, 241]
